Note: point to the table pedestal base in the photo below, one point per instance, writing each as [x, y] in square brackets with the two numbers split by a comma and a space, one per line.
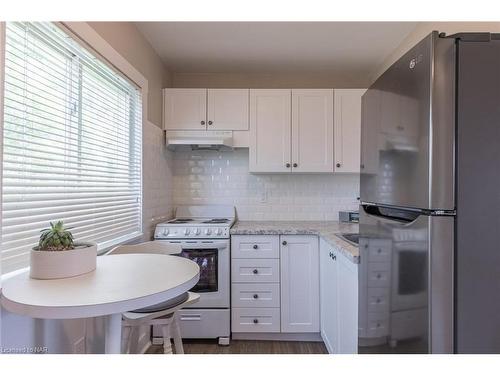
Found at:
[113, 334]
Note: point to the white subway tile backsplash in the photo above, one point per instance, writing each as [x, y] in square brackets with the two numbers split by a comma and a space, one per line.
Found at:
[210, 177]
[157, 179]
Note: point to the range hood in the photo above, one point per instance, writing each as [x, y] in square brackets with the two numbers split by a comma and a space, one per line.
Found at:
[199, 140]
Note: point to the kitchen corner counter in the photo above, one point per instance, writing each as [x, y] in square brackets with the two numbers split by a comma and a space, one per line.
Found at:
[327, 230]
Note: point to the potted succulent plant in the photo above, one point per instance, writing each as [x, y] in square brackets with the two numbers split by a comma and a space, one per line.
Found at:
[57, 256]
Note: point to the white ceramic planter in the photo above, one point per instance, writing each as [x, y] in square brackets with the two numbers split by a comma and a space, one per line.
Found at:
[61, 264]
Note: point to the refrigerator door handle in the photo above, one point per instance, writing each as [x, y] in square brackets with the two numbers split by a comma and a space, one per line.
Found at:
[391, 215]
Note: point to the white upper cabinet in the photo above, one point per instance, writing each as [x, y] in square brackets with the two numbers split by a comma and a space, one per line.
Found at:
[348, 130]
[299, 260]
[312, 130]
[270, 130]
[205, 109]
[185, 109]
[227, 109]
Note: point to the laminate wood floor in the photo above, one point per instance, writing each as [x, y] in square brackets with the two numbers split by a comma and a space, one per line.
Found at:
[247, 347]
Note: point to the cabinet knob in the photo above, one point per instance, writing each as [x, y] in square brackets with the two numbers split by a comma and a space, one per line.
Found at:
[379, 251]
[210, 123]
[284, 243]
[334, 257]
[338, 165]
[287, 165]
[255, 296]
[202, 122]
[255, 247]
[295, 165]
[379, 276]
[255, 321]
[378, 300]
[255, 271]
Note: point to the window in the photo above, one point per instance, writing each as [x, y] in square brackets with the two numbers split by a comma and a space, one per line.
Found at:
[72, 143]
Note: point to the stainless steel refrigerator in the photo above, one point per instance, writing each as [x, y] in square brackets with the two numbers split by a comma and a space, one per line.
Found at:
[429, 277]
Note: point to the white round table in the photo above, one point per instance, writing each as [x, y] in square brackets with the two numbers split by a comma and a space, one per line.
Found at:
[120, 283]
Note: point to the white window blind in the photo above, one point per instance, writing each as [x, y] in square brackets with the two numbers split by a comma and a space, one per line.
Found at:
[71, 144]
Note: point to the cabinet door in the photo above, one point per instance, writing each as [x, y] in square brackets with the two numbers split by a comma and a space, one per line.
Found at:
[184, 109]
[270, 130]
[227, 109]
[347, 292]
[312, 130]
[328, 296]
[348, 130]
[299, 283]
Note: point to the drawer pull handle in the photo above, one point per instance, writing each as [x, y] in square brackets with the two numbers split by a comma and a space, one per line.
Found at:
[255, 247]
[255, 296]
[379, 276]
[379, 251]
[255, 271]
[378, 325]
[255, 321]
[378, 300]
[284, 243]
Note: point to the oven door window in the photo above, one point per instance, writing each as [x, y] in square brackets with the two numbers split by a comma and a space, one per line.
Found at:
[207, 260]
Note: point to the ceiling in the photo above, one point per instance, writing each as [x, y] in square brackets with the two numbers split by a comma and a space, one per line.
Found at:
[268, 47]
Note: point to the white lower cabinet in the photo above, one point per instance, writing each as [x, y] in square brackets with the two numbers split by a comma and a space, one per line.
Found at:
[275, 284]
[299, 284]
[299, 260]
[339, 301]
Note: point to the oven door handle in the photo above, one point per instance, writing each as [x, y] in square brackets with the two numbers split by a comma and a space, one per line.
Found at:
[198, 245]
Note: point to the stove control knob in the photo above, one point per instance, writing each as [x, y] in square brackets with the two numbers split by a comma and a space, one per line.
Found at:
[197, 231]
[219, 231]
[165, 232]
[208, 231]
[186, 231]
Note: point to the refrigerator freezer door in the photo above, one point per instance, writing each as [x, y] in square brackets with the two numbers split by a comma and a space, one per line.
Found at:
[478, 198]
[405, 282]
[407, 131]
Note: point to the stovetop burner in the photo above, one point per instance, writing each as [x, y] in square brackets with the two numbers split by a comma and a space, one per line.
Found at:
[179, 221]
[216, 221]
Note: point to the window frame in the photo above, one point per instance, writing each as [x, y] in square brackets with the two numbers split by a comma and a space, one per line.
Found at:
[85, 35]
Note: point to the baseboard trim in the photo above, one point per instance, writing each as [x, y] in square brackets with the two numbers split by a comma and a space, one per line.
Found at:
[315, 336]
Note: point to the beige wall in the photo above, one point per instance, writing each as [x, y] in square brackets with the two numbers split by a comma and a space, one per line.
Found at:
[424, 28]
[129, 42]
[269, 80]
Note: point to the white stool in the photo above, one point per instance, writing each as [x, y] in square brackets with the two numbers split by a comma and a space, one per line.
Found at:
[167, 319]
[162, 314]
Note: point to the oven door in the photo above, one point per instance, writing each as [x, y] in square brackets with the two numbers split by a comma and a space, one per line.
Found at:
[212, 256]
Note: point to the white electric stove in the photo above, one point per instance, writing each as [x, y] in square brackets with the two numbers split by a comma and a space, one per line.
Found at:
[203, 232]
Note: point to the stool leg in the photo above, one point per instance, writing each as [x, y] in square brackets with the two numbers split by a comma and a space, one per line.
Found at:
[167, 346]
[133, 340]
[179, 349]
[127, 330]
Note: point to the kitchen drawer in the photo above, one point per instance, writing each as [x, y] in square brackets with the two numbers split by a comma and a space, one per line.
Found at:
[255, 320]
[255, 247]
[378, 300]
[379, 275]
[255, 295]
[378, 325]
[379, 251]
[255, 270]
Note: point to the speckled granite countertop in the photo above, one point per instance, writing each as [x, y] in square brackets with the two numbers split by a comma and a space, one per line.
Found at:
[325, 229]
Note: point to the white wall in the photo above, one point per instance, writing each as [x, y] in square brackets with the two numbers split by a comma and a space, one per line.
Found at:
[208, 177]
[269, 80]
